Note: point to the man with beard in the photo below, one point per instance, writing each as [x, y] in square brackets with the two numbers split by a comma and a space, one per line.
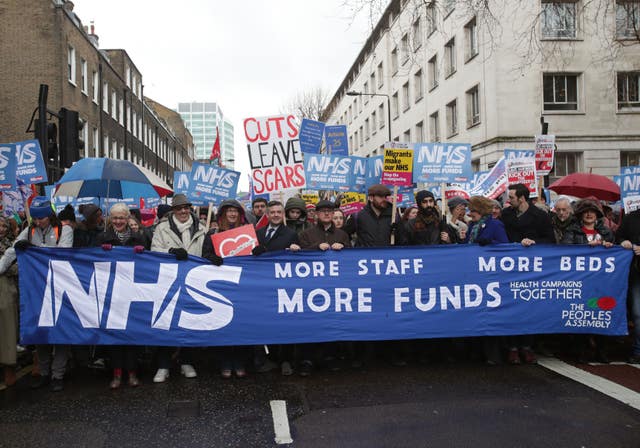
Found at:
[372, 225]
[562, 218]
[426, 228]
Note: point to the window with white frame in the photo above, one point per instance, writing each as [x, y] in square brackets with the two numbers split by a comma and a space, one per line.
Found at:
[367, 129]
[404, 46]
[559, 19]
[128, 118]
[71, 64]
[114, 149]
[629, 90]
[95, 87]
[473, 106]
[85, 138]
[114, 105]
[450, 57]
[127, 75]
[394, 61]
[434, 126]
[452, 118]
[365, 89]
[372, 82]
[121, 112]
[629, 158]
[419, 132]
[431, 18]
[628, 19]
[471, 37]
[374, 123]
[96, 142]
[350, 114]
[417, 34]
[381, 114]
[406, 102]
[84, 81]
[104, 151]
[433, 72]
[560, 91]
[355, 139]
[134, 84]
[139, 127]
[418, 85]
[395, 109]
[565, 163]
[407, 136]
[380, 75]
[105, 97]
[361, 136]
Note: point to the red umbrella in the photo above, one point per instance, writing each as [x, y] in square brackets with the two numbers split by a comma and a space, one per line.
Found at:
[582, 185]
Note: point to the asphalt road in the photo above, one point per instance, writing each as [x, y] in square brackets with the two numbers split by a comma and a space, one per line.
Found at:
[440, 405]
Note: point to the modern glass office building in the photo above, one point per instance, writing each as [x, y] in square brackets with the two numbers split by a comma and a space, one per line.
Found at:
[201, 120]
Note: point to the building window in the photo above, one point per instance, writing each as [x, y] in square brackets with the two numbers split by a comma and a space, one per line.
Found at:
[404, 45]
[96, 87]
[473, 106]
[361, 136]
[471, 36]
[565, 163]
[381, 115]
[432, 24]
[121, 112]
[406, 103]
[380, 75]
[628, 90]
[114, 105]
[628, 19]
[559, 19]
[84, 82]
[374, 123]
[350, 114]
[420, 132]
[372, 82]
[355, 138]
[560, 92]
[105, 97]
[434, 126]
[71, 64]
[417, 34]
[365, 89]
[629, 158]
[351, 142]
[85, 138]
[407, 136]
[105, 147]
[96, 142]
[448, 7]
[450, 57]
[127, 75]
[418, 87]
[394, 105]
[367, 129]
[452, 118]
[433, 72]
[394, 61]
[134, 84]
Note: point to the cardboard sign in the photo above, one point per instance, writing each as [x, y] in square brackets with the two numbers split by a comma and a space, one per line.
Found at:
[311, 136]
[352, 202]
[442, 162]
[235, 242]
[521, 169]
[545, 149]
[397, 167]
[274, 153]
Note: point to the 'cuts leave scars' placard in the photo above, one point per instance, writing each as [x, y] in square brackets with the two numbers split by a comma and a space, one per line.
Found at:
[274, 153]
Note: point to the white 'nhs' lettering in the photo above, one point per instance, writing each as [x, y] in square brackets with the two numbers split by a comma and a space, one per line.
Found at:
[88, 306]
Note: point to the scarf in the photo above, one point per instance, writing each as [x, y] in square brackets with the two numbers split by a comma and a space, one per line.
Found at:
[123, 236]
[482, 222]
[184, 229]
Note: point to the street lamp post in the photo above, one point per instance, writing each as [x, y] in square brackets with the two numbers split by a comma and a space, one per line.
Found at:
[353, 93]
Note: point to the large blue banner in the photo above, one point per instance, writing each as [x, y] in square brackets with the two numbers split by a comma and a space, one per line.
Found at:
[442, 162]
[88, 296]
[328, 172]
[30, 167]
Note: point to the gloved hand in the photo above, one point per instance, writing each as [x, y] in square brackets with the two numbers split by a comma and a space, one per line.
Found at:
[138, 249]
[107, 246]
[484, 241]
[179, 252]
[22, 245]
[258, 250]
[216, 260]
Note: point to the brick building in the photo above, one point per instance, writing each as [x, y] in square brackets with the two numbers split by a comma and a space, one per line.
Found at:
[44, 42]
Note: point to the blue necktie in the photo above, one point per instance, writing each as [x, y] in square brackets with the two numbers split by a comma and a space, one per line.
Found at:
[270, 233]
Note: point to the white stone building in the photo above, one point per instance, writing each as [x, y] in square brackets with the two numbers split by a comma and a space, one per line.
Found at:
[452, 73]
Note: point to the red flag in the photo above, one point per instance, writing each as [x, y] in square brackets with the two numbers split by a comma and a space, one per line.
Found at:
[263, 221]
[214, 159]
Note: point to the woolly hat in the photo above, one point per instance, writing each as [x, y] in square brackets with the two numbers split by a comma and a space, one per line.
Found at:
[423, 194]
[310, 206]
[455, 201]
[41, 207]
[67, 213]
[163, 209]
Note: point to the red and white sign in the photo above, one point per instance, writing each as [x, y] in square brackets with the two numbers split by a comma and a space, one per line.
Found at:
[235, 242]
[274, 153]
[545, 149]
[521, 169]
[453, 191]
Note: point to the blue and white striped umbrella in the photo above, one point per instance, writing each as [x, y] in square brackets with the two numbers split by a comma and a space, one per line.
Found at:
[108, 178]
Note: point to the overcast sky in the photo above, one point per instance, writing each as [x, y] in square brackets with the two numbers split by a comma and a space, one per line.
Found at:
[248, 56]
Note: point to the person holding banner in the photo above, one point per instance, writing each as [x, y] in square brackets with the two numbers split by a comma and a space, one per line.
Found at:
[427, 228]
[629, 237]
[120, 233]
[8, 309]
[87, 231]
[296, 211]
[562, 218]
[230, 215]
[44, 232]
[372, 225]
[456, 217]
[179, 233]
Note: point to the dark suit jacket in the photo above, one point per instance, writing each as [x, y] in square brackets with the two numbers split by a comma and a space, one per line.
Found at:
[281, 239]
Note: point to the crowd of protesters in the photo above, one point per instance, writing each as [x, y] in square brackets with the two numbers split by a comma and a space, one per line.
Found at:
[295, 225]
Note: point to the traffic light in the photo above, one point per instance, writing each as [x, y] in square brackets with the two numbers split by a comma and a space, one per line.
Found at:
[52, 139]
[70, 142]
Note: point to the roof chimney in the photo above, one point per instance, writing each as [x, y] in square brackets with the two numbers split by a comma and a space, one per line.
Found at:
[92, 35]
[68, 5]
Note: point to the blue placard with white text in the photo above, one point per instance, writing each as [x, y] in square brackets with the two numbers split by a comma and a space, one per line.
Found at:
[336, 140]
[441, 162]
[311, 132]
[8, 163]
[328, 172]
[30, 169]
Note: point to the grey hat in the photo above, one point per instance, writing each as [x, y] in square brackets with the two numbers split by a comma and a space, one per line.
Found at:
[379, 190]
[180, 200]
[455, 201]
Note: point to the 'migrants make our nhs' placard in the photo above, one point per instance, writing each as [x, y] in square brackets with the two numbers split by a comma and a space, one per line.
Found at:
[78, 297]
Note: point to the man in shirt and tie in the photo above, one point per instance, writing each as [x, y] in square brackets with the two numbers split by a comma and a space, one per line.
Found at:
[276, 235]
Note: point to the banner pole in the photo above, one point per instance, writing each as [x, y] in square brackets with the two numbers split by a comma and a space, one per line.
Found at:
[393, 212]
[208, 215]
[443, 188]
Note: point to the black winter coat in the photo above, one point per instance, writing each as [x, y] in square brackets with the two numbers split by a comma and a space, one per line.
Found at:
[534, 224]
[575, 235]
[282, 238]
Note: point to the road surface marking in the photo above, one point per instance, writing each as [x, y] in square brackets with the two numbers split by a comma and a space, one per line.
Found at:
[280, 422]
[613, 390]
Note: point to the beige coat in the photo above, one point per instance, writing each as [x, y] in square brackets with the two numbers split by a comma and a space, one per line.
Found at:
[165, 236]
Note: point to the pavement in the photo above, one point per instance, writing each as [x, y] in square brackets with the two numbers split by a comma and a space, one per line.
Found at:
[436, 405]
